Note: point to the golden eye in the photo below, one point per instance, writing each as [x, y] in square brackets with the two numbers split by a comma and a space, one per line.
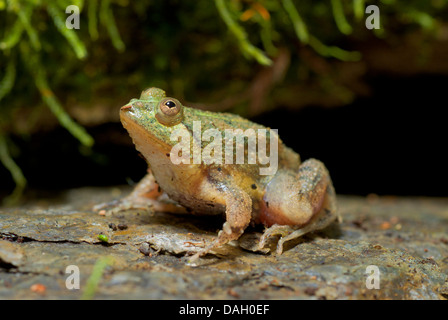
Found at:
[170, 107]
[170, 112]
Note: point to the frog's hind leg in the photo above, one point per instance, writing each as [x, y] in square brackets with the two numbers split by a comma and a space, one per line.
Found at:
[290, 232]
[146, 194]
[311, 204]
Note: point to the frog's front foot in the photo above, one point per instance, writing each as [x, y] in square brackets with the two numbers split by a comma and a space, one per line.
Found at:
[124, 204]
[227, 234]
[146, 196]
[140, 202]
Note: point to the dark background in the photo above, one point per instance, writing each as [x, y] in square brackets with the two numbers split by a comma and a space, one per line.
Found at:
[390, 143]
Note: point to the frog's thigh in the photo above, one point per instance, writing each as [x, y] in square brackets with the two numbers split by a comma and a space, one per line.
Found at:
[238, 216]
[321, 220]
[300, 203]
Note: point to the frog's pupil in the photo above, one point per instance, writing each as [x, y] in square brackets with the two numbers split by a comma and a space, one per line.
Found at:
[170, 104]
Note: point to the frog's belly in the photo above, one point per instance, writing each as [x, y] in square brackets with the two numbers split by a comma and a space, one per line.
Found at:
[198, 206]
[190, 188]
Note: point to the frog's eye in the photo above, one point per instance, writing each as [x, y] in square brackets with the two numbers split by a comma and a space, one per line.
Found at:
[170, 112]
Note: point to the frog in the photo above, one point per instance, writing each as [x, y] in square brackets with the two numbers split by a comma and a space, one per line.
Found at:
[295, 199]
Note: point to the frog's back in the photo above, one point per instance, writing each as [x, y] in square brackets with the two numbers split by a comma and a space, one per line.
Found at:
[220, 120]
[287, 158]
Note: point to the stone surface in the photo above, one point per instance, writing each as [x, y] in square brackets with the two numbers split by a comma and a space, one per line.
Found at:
[405, 238]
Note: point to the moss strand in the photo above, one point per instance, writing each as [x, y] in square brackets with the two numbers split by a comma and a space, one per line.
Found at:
[35, 67]
[8, 80]
[108, 20]
[241, 36]
[14, 169]
[69, 34]
[297, 21]
[339, 17]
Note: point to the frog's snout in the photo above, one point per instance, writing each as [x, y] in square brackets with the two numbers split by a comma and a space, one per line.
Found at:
[128, 106]
[133, 104]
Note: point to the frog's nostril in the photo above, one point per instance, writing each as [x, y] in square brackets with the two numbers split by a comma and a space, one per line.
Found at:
[129, 106]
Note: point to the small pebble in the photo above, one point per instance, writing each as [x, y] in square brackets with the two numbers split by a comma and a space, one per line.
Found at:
[38, 288]
[385, 225]
[122, 226]
[113, 226]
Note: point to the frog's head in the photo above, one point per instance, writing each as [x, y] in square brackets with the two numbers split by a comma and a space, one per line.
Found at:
[153, 106]
[151, 119]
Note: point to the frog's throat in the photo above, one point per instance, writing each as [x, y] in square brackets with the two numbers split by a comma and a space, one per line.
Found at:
[144, 141]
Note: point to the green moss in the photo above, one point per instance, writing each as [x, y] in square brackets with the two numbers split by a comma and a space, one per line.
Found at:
[103, 238]
[239, 33]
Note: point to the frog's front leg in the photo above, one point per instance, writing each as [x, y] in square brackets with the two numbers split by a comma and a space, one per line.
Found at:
[296, 204]
[238, 216]
[146, 194]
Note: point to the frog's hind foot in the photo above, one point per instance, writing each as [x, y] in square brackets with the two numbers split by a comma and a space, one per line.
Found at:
[315, 208]
[273, 231]
[286, 233]
[321, 220]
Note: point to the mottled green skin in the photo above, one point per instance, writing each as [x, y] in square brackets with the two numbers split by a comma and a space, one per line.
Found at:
[144, 116]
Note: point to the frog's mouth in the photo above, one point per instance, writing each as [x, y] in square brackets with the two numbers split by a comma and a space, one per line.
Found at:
[128, 106]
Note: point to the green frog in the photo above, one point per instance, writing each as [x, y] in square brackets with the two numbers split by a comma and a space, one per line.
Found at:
[292, 199]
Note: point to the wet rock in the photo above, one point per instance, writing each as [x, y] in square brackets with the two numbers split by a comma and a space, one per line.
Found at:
[404, 239]
[11, 254]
